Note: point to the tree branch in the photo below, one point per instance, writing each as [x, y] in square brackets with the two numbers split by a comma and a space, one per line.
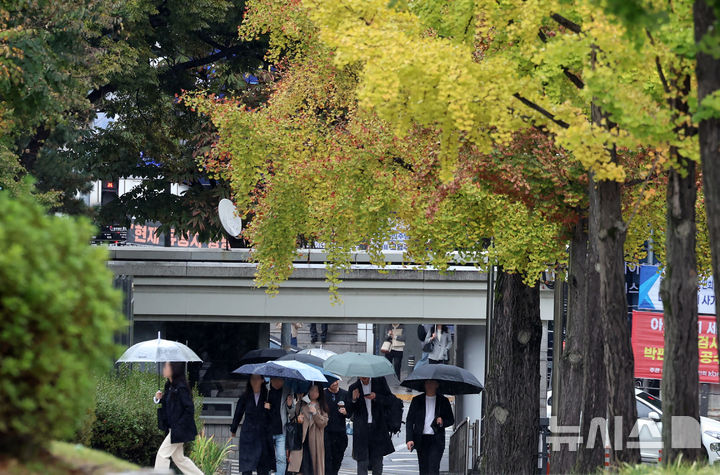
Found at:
[542, 111]
[97, 94]
[403, 164]
[658, 65]
[570, 25]
[29, 155]
[574, 78]
[206, 39]
[194, 63]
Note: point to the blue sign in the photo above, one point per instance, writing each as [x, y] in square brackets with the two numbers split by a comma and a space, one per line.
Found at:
[649, 293]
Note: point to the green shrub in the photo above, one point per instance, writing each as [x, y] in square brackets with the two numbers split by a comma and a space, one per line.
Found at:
[58, 315]
[126, 417]
[208, 455]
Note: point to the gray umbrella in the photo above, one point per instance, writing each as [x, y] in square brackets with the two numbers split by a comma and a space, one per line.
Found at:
[359, 364]
[158, 351]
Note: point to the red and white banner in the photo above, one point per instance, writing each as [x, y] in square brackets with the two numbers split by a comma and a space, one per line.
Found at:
[648, 342]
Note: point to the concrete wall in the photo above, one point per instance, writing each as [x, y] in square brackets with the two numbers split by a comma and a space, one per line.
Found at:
[185, 284]
[471, 356]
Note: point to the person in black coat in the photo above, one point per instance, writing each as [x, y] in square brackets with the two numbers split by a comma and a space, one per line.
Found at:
[371, 437]
[336, 439]
[256, 449]
[176, 417]
[429, 414]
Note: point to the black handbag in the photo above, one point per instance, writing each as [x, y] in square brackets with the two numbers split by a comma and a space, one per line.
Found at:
[429, 346]
[162, 419]
[293, 435]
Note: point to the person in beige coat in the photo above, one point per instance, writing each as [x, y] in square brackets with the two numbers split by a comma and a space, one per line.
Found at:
[314, 417]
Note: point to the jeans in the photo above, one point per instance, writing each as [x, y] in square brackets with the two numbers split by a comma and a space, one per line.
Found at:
[395, 357]
[293, 340]
[314, 333]
[280, 454]
[376, 463]
[423, 360]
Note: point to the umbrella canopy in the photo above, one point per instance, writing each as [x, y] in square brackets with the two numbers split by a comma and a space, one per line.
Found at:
[283, 369]
[331, 377]
[303, 358]
[321, 353]
[452, 379]
[158, 351]
[262, 355]
[296, 386]
[359, 364]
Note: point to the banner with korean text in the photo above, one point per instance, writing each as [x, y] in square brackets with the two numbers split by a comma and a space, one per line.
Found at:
[648, 346]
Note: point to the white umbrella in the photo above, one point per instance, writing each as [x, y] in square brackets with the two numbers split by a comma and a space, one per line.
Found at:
[158, 351]
[321, 353]
[309, 373]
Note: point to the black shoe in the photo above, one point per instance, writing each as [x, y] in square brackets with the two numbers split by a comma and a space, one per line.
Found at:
[313, 340]
[323, 341]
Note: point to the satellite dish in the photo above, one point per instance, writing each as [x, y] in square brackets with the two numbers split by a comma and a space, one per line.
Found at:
[229, 217]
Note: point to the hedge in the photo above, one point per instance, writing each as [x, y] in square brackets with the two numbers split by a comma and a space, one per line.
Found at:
[58, 316]
[125, 419]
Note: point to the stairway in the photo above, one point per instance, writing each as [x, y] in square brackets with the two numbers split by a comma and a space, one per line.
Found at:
[340, 337]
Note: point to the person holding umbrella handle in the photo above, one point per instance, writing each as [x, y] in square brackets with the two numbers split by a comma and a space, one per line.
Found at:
[429, 414]
[176, 416]
[256, 450]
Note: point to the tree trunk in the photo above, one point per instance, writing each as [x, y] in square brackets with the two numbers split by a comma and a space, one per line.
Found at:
[707, 70]
[568, 358]
[513, 381]
[582, 360]
[606, 207]
[594, 402]
[680, 381]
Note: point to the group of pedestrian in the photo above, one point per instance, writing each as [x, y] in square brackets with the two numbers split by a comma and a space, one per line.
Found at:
[305, 433]
[321, 416]
[266, 415]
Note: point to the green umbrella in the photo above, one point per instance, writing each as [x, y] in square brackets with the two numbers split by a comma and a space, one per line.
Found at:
[361, 365]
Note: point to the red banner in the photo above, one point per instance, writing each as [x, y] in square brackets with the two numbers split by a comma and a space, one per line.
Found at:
[648, 342]
[145, 234]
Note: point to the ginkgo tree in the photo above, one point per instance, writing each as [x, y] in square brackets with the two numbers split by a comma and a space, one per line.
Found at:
[569, 68]
[312, 164]
[442, 88]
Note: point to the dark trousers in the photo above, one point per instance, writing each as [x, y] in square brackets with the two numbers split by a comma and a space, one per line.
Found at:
[430, 452]
[395, 357]
[314, 333]
[375, 463]
[335, 444]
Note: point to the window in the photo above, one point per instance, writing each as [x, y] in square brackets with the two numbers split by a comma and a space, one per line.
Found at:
[650, 400]
[643, 410]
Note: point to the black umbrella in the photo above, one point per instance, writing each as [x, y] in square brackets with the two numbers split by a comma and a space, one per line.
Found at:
[262, 355]
[453, 380]
[303, 358]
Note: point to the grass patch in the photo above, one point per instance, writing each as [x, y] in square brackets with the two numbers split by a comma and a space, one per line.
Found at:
[68, 459]
[677, 468]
